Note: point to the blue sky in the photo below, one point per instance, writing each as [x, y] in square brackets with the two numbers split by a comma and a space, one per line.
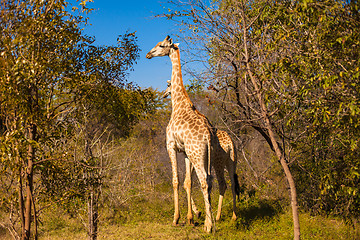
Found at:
[114, 17]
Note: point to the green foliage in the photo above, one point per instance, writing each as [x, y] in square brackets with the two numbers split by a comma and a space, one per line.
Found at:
[56, 84]
[322, 69]
[305, 56]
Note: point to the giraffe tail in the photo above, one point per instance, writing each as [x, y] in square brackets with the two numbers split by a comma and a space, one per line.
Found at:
[233, 158]
[209, 156]
[237, 185]
[209, 165]
[234, 161]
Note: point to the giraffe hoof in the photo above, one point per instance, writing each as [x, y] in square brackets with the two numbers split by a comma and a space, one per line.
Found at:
[190, 222]
[234, 217]
[175, 223]
[208, 225]
[208, 229]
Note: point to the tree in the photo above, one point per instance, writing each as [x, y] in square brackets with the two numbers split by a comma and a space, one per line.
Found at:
[99, 125]
[34, 37]
[324, 64]
[48, 69]
[286, 69]
[238, 44]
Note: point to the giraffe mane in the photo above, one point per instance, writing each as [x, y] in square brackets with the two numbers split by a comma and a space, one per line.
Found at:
[182, 86]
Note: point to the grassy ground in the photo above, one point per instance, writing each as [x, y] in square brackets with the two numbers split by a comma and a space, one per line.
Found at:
[257, 219]
[279, 227]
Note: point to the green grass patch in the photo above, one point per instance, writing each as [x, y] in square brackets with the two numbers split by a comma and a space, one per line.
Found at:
[151, 218]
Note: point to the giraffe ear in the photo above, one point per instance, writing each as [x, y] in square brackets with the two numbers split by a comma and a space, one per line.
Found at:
[167, 41]
[175, 45]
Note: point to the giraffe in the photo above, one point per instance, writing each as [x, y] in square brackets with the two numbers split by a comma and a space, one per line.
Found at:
[224, 157]
[186, 132]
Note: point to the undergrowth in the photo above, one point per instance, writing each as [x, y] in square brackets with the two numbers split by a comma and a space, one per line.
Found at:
[150, 216]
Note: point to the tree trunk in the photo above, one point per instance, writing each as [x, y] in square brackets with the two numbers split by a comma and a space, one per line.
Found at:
[280, 155]
[278, 151]
[93, 215]
[29, 202]
[21, 203]
[93, 190]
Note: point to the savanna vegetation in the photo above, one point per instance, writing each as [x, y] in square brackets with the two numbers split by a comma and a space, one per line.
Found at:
[82, 150]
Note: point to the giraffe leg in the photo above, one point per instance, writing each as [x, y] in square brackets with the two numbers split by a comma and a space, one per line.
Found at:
[231, 166]
[222, 188]
[205, 181]
[193, 205]
[175, 182]
[194, 208]
[187, 187]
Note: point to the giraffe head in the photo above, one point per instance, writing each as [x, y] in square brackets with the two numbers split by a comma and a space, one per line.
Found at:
[168, 89]
[162, 48]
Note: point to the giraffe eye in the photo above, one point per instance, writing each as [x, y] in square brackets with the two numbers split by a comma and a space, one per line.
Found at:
[161, 46]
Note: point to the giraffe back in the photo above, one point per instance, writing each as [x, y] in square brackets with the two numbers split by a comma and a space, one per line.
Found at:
[226, 143]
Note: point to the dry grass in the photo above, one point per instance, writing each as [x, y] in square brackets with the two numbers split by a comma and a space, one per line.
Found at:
[277, 227]
[151, 219]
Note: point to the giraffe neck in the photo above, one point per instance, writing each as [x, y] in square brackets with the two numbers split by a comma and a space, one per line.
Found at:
[179, 97]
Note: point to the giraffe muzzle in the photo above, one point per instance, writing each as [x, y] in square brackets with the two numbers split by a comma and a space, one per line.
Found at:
[149, 55]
